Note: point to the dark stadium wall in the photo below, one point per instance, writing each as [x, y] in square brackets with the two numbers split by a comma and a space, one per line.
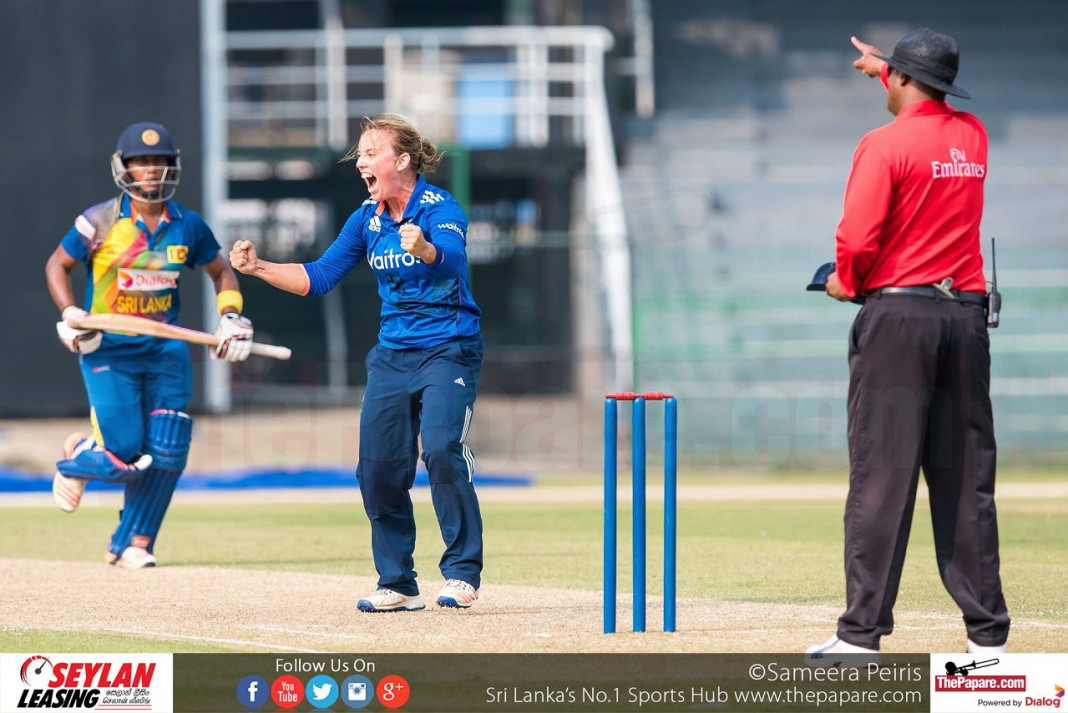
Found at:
[75, 74]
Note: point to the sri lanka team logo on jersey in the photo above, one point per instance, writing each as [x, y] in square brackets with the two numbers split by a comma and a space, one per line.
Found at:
[148, 280]
[177, 253]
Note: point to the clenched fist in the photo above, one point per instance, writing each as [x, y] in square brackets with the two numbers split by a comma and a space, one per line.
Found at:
[243, 257]
[413, 243]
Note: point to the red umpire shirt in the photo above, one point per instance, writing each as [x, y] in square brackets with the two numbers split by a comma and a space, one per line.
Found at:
[913, 202]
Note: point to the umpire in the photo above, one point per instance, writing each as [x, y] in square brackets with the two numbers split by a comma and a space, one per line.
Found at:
[919, 353]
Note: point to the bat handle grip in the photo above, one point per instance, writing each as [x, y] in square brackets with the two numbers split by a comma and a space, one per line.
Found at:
[271, 350]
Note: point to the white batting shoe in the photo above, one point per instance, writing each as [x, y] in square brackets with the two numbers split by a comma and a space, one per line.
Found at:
[837, 653]
[135, 558]
[387, 600]
[66, 491]
[457, 594]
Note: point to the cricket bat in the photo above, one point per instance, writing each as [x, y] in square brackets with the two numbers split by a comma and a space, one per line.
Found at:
[130, 324]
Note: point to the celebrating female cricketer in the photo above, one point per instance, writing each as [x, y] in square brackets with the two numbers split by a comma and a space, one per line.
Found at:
[422, 376]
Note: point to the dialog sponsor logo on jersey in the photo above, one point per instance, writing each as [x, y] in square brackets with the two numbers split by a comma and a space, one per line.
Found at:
[1000, 681]
[148, 280]
[86, 682]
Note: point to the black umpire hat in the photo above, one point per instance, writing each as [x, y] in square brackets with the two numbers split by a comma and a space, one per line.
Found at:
[819, 280]
[929, 57]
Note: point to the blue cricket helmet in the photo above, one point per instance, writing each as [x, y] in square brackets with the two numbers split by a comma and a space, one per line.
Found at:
[146, 138]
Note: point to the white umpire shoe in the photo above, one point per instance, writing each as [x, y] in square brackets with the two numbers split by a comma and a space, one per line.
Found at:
[974, 648]
[135, 558]
[387, 600]
[66, 491]
[457, 594]
[837, 653]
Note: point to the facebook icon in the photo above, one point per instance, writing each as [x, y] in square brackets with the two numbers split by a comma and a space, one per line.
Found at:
[253, 691]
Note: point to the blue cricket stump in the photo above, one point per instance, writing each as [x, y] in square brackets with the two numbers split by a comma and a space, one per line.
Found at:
[611, 419]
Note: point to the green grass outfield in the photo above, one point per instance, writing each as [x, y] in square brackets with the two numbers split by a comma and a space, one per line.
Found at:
[778, 549]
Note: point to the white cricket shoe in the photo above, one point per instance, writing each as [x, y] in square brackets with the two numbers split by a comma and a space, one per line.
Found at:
[387, 600]
[66, 491]
[835, 652]
[457, 594]
[135, 558]
[974, 648]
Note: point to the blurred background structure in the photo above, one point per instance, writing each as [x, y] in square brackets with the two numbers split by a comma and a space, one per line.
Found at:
[650, 187]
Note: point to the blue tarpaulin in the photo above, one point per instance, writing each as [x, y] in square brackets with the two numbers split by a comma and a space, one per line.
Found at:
[17, 481]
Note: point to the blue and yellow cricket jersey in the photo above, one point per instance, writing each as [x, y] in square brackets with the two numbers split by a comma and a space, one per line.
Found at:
[133, 271]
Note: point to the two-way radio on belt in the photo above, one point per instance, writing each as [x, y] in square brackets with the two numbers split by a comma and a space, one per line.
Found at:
[993, 298]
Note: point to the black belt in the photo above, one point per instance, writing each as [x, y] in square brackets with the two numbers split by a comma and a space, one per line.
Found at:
[932, 293]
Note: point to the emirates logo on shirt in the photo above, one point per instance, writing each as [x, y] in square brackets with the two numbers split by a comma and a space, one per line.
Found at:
[958, 166]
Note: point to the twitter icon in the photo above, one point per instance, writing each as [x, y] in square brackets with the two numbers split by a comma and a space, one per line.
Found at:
[321, 691]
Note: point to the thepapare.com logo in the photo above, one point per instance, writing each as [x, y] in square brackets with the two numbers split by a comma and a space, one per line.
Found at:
[53, 683]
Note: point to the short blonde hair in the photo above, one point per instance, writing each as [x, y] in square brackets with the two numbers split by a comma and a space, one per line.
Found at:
[406, 139]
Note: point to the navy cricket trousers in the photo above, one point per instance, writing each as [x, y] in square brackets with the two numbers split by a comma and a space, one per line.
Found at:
[425, 395]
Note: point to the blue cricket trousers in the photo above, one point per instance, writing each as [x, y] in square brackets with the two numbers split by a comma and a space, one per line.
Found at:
[123, 390]
[427, 395]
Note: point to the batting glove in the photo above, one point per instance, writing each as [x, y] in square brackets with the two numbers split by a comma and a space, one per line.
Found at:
[235, 338]
[79, 341]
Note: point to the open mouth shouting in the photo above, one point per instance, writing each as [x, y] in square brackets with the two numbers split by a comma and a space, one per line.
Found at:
[371, 180]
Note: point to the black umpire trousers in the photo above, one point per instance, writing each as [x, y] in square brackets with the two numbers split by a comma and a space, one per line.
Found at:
[919, 398]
